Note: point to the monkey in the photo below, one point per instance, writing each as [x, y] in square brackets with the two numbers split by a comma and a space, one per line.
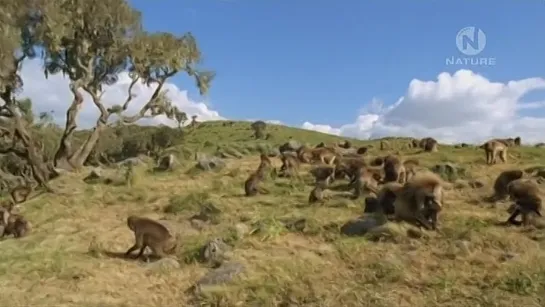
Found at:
[384, 145]
[367, 178]
[345, 144]
[525, 194]
[415, 143]
[492, 148]
[349, 166]
[251, 185]
[428, 144]
[152, 234]
[420, 200]
[323, 173]
[290, 164]
[378, 161]
[324, 154]
[321, 144]
[394, 169]
[387, 196]
[362, 150]
[317, 194]
[20, 193]
[14, 224]
[266, 165]
[501, 183]
[410, 166]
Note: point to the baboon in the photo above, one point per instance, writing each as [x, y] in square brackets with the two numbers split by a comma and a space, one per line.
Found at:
[501, 183]
[317, 194]
[420, 200]
[251, 185]
[325, 155]
[378, 161]
[525, 194]
[429, 144]
[387, 196]
[384, 145]
[266, 165]
[410, 168]
[320, 145]
[394, 170]
[349, 166]
[362, 150]
[345, 144]
[290, 164]
[20, 193]
[14, 224]
[152, 234]
[518, 141]
[367, 178]
[415, 143]
[491, 150]
[323, 173]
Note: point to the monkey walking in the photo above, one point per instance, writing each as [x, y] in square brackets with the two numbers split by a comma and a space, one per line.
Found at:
[152, 234]
[525, 194]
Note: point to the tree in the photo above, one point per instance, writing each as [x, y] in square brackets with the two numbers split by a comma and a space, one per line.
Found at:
[259, 129]
[92, 42]
[180, 117]
[18, 20]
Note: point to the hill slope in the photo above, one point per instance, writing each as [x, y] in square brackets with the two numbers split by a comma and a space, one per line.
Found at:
[66, 259]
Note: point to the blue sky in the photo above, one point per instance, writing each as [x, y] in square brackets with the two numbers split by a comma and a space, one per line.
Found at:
[338, 55]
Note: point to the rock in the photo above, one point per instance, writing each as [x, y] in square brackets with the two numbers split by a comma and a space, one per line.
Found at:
[166, 263]
[221, 275]
[167, 163]
[241, 230]
[214, 252]
[94, 176]
[360, 226]
[210, 163]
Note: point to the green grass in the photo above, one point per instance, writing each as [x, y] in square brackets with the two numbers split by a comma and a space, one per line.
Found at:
[472, 263]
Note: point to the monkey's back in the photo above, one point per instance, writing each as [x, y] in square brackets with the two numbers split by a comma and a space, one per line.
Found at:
[149, 228]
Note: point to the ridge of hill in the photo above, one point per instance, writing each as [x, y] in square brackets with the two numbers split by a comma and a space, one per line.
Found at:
[71, 256]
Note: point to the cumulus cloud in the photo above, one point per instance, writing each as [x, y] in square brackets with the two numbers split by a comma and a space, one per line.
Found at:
[462, 107]
[52, 94]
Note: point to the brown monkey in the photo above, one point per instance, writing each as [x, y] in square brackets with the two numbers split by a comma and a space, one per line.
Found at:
[290, 164]
[502, 181]
[410, 168]
[362, 150]
[415, 143]
[525, 194]
[324, 154]
[266, 165]
[152, 234]
[367, 179]
[394, 169]
[14, 224]
[494, 147]
[384, 145]
[20, 193]
[378, 161]
[387, 196]
[317, 194]
[420, 200]
[251, 185]
[323, 173]
[349, 166]
[429, 144]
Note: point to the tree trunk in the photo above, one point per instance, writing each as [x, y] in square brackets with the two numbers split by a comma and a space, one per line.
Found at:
[64, 153]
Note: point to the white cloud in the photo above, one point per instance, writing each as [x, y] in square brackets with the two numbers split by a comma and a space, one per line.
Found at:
[463, 107]
[52, 94]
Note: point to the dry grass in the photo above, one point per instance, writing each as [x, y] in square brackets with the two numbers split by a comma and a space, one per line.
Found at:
[472, 263]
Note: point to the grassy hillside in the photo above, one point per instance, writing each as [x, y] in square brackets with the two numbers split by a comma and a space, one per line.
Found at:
[67, 258]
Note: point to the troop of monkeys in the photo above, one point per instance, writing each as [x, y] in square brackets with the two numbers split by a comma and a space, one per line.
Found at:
[400, 191]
